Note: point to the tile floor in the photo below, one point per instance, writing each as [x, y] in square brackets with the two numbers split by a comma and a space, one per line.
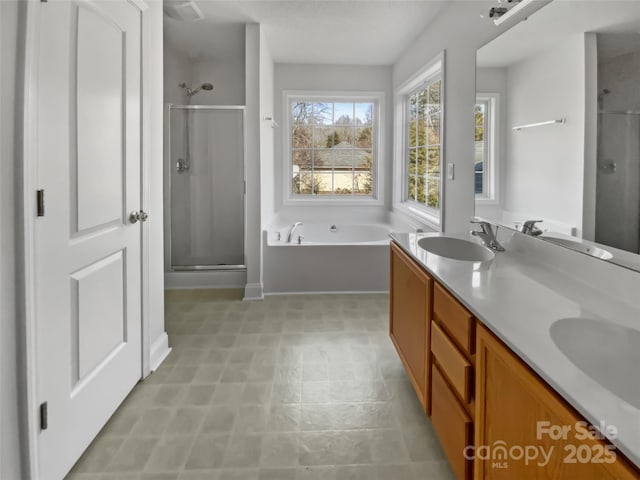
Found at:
[293, 387]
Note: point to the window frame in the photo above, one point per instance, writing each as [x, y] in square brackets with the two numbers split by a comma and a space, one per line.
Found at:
[377, 147]
[491, 181]
[434, 218]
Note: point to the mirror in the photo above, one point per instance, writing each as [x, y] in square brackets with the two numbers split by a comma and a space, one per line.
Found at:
[558, 128]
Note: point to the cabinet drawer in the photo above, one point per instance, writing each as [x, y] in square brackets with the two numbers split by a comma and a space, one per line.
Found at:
[454, 365]
[454, 318]
[452, 424]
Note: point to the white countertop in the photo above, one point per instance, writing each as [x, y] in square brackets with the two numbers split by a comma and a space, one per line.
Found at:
[520, 293]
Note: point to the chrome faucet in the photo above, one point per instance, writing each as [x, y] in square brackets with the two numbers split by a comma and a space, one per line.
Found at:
[529, 228]
[292, 231]
[487, 235]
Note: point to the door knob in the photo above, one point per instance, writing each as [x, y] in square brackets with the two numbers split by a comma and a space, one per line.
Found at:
[135, 216]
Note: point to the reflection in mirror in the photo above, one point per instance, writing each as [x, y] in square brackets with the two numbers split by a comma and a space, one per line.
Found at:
[618, 141]
[558, 128]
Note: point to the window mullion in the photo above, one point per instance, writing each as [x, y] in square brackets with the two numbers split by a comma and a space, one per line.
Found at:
[313, 148]
[353, 151]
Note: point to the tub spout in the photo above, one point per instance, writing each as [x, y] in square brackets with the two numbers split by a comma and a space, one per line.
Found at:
[292, 231]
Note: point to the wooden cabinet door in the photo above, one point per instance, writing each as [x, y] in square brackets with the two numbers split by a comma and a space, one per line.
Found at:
[510, 401]
[410, 320]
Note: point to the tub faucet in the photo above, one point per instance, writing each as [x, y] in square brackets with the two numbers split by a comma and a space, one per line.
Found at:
[529, 228]
[487, 235]
[292, 231]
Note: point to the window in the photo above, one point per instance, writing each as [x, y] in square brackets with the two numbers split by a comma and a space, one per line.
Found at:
[418, 151]
[485, 159]
[424, 118]
[333, 145]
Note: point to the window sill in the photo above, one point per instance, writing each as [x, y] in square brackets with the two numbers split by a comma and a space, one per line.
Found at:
[317, 200]
[419, 215]
[487, 201]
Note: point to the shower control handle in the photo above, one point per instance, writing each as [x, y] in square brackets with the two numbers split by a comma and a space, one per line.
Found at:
[182, 165]
[135, 216]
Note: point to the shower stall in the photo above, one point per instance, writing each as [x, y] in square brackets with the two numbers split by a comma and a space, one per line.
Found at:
[618, 143]
[205, 188]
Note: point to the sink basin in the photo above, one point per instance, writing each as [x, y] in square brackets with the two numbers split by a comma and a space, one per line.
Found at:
[580, 247]
[609, 354]
[456, 249]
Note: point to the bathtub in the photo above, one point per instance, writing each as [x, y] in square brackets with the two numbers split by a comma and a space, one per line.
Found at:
[341, 258]
[316, 234]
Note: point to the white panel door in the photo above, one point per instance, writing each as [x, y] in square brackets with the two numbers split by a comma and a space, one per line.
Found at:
[88, 287]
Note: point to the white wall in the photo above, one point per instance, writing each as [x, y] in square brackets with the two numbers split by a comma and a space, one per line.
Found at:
[253, 252]
[491, 80]
[11, 28]
[459, 31]
[267, 133]
[176, 70]
[153, 141]
[545, 165]
[227, 78]
[329, 78]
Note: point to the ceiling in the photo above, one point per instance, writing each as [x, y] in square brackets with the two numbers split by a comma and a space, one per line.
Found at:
[347, 32]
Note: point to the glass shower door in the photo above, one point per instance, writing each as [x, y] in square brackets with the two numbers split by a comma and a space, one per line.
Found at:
[207, 214]
[618, 180]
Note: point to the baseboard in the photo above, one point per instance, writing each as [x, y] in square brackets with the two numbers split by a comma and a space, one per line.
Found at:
[337, 292]
[253, 291]
[159, 351]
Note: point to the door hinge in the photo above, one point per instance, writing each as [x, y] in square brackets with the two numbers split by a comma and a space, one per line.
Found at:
[44, 416]
[40, 203]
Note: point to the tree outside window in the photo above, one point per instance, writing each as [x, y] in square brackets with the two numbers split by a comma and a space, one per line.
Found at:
[332, 148]
[424, 143]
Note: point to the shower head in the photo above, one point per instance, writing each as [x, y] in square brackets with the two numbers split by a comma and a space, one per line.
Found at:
[191, 92]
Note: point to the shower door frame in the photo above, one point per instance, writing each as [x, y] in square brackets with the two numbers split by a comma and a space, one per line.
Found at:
[192, 268]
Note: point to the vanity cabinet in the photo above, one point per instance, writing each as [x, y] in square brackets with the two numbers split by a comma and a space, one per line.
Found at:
[410, 316]
[482, 398]
[510, 401]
